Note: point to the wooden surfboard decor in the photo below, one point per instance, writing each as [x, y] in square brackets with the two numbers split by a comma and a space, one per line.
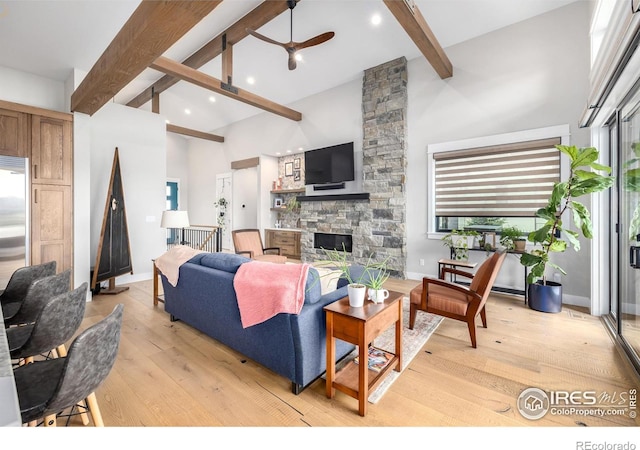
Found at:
[114, 252]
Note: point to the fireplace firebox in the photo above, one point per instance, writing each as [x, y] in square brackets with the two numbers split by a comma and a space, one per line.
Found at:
[333, 241]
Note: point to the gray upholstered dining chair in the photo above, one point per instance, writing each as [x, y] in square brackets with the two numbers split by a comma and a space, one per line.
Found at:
[48, 388]
[56, 323]
[39, 293]
[21, 279]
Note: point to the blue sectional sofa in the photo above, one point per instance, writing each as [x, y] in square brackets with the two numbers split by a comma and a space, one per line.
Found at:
[291, 345]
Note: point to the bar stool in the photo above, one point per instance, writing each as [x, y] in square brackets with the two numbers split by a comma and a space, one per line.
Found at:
[47, 388]
[39, 293]
[19, 283]
[56, 323]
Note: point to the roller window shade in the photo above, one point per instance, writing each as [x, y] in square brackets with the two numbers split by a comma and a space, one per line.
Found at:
[511, 180]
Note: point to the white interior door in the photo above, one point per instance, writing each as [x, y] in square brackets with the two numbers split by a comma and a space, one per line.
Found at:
[245, 198]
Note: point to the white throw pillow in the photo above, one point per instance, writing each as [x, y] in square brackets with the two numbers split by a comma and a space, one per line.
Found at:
[328, 279]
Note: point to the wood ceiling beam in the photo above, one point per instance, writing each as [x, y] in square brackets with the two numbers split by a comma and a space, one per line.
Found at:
[180, 71]
[152, 28]
[256, 18]
[194, 133]
[410, 18]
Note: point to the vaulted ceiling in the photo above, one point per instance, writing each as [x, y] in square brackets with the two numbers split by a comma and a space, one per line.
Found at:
[50, 38]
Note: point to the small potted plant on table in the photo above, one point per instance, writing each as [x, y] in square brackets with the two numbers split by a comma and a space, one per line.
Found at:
[512, 238]
[459, 243]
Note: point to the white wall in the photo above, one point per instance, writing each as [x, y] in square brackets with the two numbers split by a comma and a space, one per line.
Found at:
[530, 75]
[205, 159]
[141, 139]
[32, 90]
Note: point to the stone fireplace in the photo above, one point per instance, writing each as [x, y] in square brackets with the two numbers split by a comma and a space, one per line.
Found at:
[376, 224]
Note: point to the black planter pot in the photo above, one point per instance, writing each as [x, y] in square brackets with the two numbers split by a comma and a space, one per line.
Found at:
[545, 297]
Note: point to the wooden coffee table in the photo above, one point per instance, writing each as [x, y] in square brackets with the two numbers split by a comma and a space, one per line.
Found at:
[360, 326]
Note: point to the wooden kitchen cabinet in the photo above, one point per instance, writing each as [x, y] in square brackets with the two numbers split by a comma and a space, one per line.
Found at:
[51, 150]
[287, 240]
[14, 133]
[52, 225]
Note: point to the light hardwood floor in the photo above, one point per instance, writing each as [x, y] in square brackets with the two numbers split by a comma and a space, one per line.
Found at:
[168, 374]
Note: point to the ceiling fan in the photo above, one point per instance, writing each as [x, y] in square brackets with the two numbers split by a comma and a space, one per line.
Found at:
[292, 47]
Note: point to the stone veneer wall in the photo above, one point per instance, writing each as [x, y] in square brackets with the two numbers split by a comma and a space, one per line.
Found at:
[377, 224]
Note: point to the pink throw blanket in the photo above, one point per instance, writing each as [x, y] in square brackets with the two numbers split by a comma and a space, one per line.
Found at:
[169, 263]
[265, 289]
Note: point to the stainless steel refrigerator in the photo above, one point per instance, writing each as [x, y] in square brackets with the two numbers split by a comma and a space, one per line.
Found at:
[14, 201]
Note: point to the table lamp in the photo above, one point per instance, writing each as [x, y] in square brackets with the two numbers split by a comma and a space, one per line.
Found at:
[177, 220]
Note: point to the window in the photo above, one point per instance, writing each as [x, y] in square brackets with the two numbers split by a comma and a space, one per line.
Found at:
[501, 182]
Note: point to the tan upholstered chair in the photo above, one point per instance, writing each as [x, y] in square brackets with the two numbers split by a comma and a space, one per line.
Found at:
[457, 301]
[248, 242]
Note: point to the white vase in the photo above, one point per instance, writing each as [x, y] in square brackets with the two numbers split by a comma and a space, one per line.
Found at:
[378, 295]
[356, 295]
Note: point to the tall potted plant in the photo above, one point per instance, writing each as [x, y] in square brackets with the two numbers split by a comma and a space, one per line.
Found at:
[544, 295]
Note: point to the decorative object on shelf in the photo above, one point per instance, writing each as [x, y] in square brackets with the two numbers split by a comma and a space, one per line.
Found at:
[512, 238]
[278, 202]
[288, 169]
[296, 163]
[292, 206]
[489, 241]
[459, 242]
[222, 205]
[549, 236]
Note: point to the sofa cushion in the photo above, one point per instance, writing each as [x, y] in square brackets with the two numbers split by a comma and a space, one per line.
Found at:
[227, 262]
[313, 288]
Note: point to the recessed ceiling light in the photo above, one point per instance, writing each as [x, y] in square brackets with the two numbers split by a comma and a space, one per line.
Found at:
[187, 111]
[251, 80]
[212, 99]
[288, 151]
[300, 149]
[278, 153]
[376, 19]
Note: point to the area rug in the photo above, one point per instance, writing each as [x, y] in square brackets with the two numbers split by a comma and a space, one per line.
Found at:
[412, 342]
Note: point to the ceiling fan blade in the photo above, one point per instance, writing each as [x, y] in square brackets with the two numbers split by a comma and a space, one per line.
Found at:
[264, 38]
[314, 40]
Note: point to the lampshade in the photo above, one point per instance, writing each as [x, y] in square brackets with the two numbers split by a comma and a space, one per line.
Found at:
[174, 219]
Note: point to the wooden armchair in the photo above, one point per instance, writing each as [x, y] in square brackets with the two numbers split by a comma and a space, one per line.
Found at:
[457, 301]
[248, 242]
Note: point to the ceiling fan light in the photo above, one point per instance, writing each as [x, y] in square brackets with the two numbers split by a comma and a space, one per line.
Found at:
[298, 56]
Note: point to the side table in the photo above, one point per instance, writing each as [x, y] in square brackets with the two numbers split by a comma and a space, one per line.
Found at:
[360, 326]
[156, 274]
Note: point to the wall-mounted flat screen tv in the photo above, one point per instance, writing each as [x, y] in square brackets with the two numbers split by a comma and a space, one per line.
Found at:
[329, 164]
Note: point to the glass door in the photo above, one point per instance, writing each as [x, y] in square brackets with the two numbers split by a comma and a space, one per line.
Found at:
[628, 308]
